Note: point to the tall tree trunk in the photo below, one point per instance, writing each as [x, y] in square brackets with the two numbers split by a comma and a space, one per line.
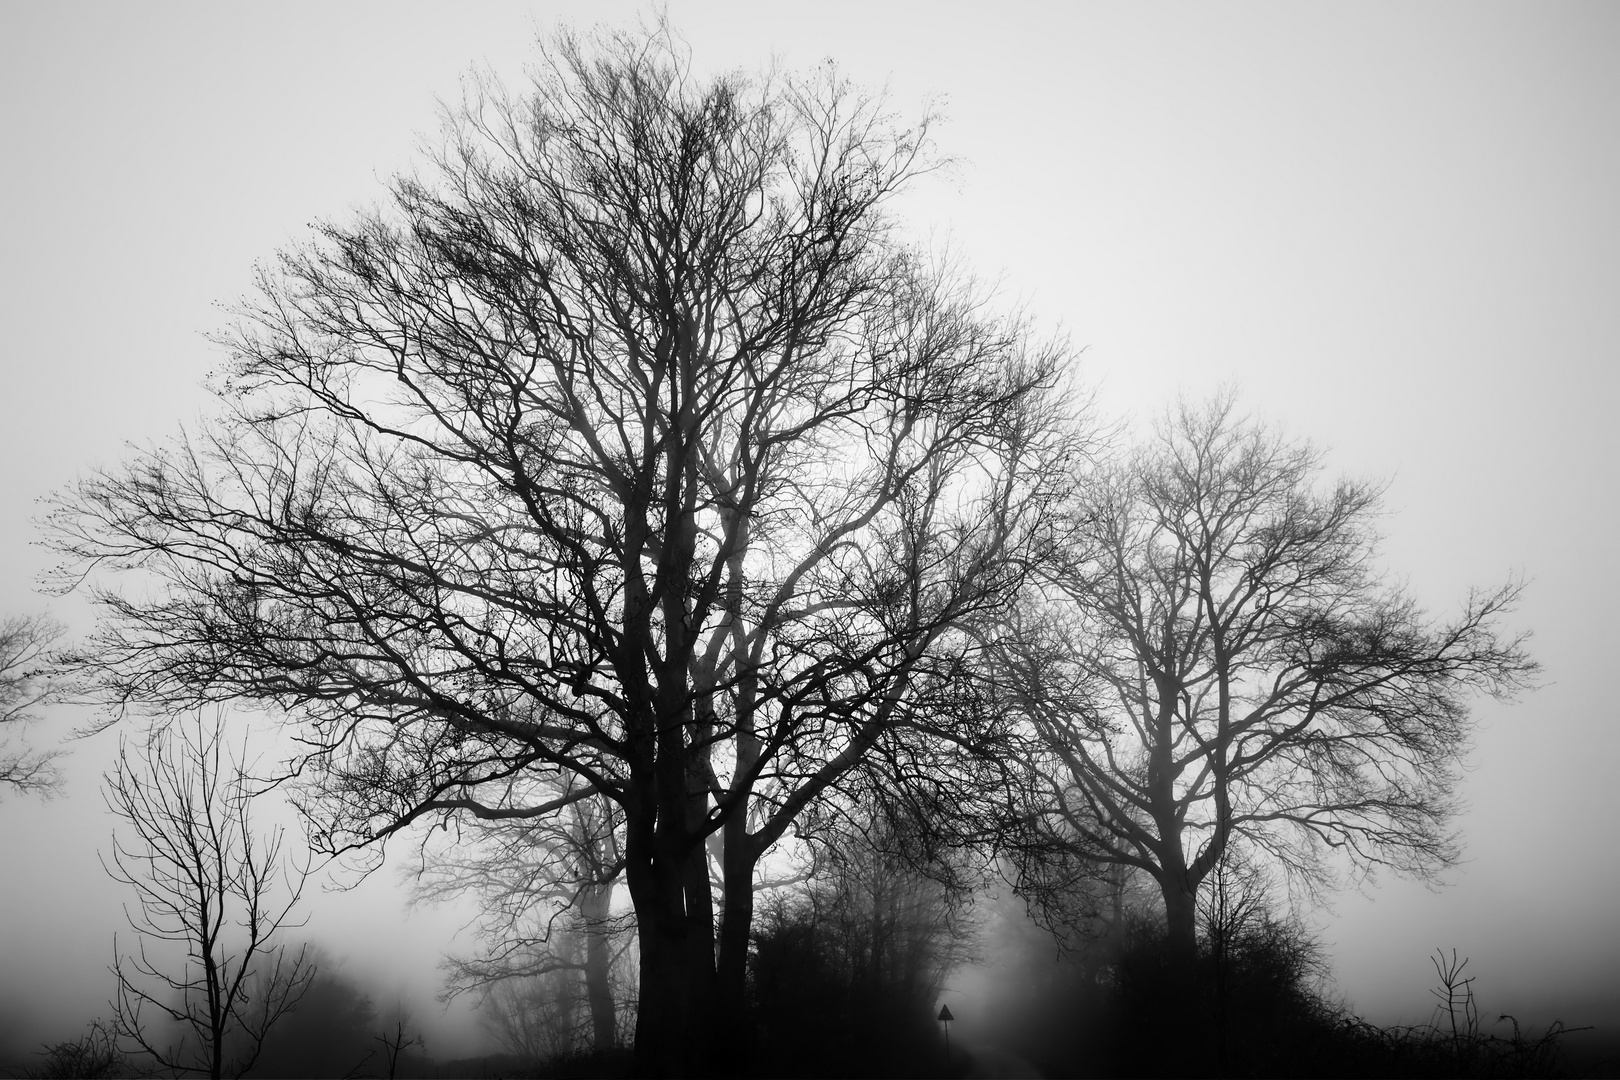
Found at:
[739, 853]
[1181, 919]
[677, 978]
[1177, 885]
[698, 947]
[595, 906]
[736, 920]
[677, 942]
[662, 1015]
[566, 985]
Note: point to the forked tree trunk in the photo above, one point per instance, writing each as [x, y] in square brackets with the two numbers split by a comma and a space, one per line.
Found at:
[675, 929]
[677, 986]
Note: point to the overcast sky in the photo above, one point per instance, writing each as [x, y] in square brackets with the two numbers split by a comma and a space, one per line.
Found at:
[1394, 226]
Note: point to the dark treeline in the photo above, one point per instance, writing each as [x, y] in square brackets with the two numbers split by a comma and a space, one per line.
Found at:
[723, 592]
[1106, 995]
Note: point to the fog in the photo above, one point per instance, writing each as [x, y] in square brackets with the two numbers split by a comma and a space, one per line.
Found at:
[1393, 227]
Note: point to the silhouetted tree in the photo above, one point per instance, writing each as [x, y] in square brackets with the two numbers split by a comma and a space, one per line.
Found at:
[397, 1038]
[24, 687]
[206, 882]
[1219, 658]
[632, 452]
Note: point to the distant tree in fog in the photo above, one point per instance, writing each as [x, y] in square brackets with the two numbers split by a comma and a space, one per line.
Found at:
[1085, 907]
[545, 891]
[545, 1009]
[24, 688]
[397, 1038]
[333, 1029]
[1219, 661]
[209, 971]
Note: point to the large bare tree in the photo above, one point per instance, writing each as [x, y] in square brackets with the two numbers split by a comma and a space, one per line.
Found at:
[628, 451]
[213, 898]
[1220, 660]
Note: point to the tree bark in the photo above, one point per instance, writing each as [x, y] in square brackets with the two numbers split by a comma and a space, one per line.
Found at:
[661, 1018]
[738, 853]
[677, 976]
[668, 878]
[1181, 919]
[737, 917]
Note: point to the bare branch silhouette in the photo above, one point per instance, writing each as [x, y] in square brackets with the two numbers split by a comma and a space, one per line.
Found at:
[1219, 661]
[25, 687]
[207, 970]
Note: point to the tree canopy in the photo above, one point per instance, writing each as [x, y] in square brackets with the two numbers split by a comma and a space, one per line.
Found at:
[1219, 659]
[629, 453]
[630, 484]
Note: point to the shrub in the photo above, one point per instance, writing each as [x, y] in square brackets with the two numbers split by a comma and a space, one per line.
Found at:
[92, 1056]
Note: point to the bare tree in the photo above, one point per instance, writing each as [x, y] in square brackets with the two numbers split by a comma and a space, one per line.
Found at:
[397, 1038]
[548, 1004]
[1220, 661]
[545, 891]
[208, 968]
[632, 454]
[24, 688]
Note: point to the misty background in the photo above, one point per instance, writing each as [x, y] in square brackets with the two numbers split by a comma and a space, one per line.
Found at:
[1394, 228]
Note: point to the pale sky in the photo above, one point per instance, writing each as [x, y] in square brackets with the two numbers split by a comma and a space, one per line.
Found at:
[1394, 226]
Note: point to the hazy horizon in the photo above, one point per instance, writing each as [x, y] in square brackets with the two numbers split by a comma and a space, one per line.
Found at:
[1394, 228]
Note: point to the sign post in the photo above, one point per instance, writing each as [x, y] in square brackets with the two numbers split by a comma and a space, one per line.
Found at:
[945, 1018]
